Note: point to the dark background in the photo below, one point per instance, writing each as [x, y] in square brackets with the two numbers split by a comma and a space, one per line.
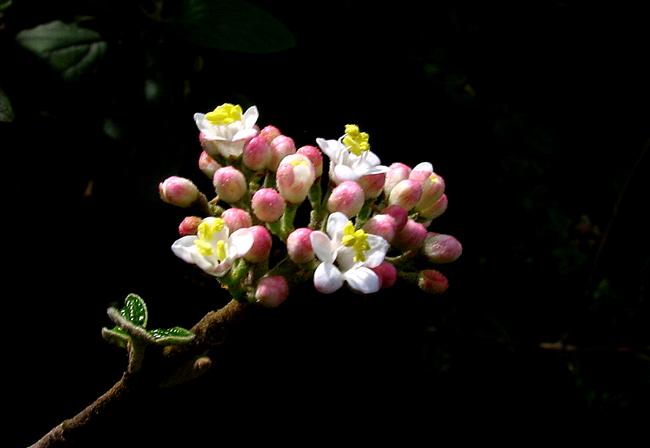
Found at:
[535, 113]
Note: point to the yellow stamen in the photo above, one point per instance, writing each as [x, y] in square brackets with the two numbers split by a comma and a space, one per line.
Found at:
[434, 179]
[207, 230]
[204, 248]
[356, 240]
[357, 142]
[225, 114]
[221, 250]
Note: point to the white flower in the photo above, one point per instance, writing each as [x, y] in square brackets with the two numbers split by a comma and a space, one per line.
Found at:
[350, 156]
[347, 256]
[213, 249]
[226, 130]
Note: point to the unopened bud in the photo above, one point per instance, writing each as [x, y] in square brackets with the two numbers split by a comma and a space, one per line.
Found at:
[295, 176]
[432, 282]
[315, 156]
[440, 249]
[347, 198]
[387, 274]
[421, 171]
[208, 165]
[411, 236]
[272, 291]
[269, 133]
[397, 172]
[256, 154]
[261, 248]
[372, 184]
[230, 184]
[236, 218]
[436, 209]
[281, 146]
[433, 187]
[267, 205]
[210, 147]
[405, 194]
[399, 214]
[299, 246]
[178, 191]
[189, 226]
[382, 225]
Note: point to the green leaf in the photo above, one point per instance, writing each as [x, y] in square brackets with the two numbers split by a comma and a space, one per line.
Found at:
[172, 336]
[232, 25]
[135, 310]
[6, 112]
[69, 49]
[116, 336]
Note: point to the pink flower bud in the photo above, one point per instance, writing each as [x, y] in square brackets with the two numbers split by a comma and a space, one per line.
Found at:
[210, 147]
[372, 184]
[295, 176]
[433, 187]
[267, 205]
[236, 218]
[440, 248]
[432, 282]
[178, 191]
[281, 146]
[269, 133]
[399, 214]
[405, 194]
[315, 156]
[272, 291]
[229, 183]
[397, 172]
[208, 165]
[421, 171]
[387, 274]
[189, 226]
[383, 226]
[299, 246]
[436, 209]
[411, 237]
[261, 245]
[347, 198]
[256, 154]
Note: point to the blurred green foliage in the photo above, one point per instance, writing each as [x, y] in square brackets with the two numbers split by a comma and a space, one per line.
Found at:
[535, 113]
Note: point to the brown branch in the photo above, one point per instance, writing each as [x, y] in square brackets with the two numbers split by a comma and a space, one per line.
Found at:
[170, 366]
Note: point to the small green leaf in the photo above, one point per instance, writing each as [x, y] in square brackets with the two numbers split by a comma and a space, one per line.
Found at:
[116, 336]
[172, 336]
[135, 310]
[68, 48]
[232, 25]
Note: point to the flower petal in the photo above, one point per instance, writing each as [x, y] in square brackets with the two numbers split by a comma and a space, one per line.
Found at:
[241, 242]
[335, 223]
[327, 278]
[250, 116]
[363, 280]
[378, 248]
[322, 246]
[184, 247]
[343, 173]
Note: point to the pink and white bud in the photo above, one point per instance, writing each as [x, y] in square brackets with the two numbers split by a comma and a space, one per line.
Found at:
[261, 248]
[387, 274]
[411, 236]
[405, 194]
[236, 218]
[440, 249]
[347, 198]
[432, 282]
[269, 133]
[208, 165]
[435, 210]
[372, 184]
[256, 153]
[281, 146]
[382, 225]
[399, 214]
[272, 291]
[267, 205]
[178, 191]
[294, 177]
[299, 246]
[433, 187]
[421, 171]
[230, 184]
[397, 172]
[189, 226]
[210, 147]
[315, 156]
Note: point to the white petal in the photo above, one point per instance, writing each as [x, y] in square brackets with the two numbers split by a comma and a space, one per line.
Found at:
[378, 248]
[222, 268]
[331, 148]
[244, 134]
[250, 116]
[327, 278]
[240, 243]
[343, 173]
[372, 159]
[184, 247]
[335, 223]
[424, 166]
[362, 279]
[378, 169]
[322, 246]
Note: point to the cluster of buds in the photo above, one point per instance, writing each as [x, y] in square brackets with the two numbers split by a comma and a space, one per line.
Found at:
[367, 225]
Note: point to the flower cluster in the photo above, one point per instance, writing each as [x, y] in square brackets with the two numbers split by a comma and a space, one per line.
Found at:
[367, 225]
